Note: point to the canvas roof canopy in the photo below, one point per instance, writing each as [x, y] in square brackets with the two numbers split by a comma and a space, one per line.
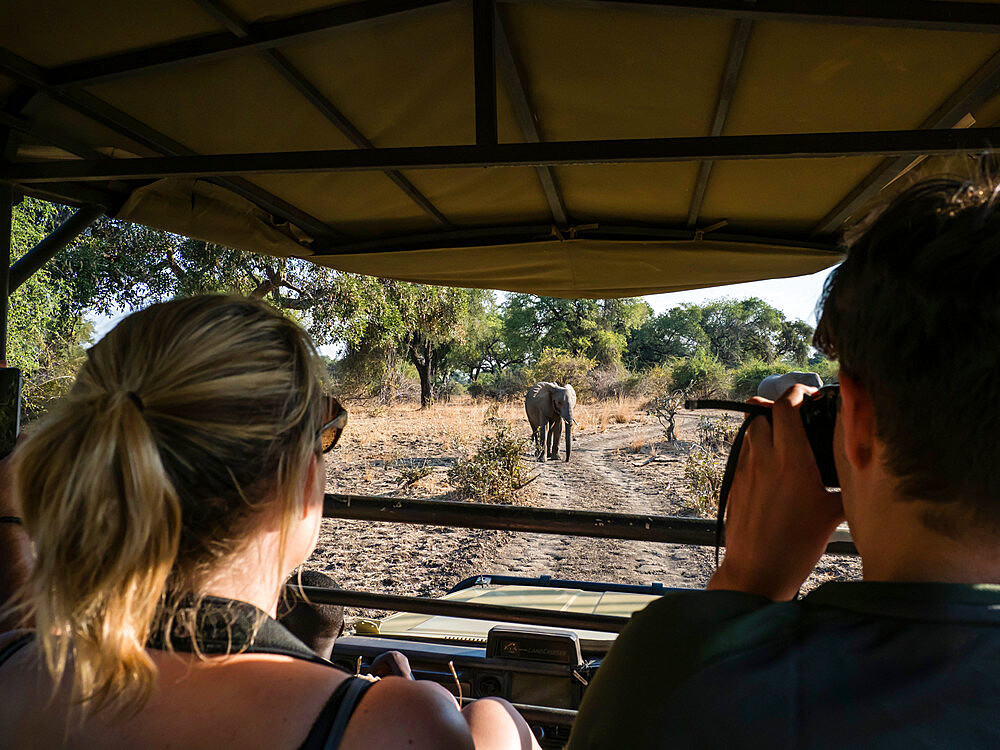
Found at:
[578, 148]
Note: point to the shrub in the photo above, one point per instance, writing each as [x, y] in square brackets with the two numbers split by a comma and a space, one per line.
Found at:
[607, 381]
[658, 381]
[717, 433]
[748, 375]
[496, 471]
[703, 470]
[509, 385]
[665, 408]
[827, 369]
[412, 474]
[701, 375]
[560, 367]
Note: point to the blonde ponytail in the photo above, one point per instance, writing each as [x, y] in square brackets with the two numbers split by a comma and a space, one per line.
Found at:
[183, 419]
[106, 522]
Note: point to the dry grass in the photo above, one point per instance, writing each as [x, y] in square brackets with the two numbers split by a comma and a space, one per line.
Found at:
[455, 426]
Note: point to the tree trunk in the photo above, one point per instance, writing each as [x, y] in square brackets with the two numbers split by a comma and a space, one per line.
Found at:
[425, 369]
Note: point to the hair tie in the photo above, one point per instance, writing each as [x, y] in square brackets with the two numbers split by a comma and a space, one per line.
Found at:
[136, 400]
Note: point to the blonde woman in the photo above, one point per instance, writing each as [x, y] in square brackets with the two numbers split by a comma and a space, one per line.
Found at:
[167, 499]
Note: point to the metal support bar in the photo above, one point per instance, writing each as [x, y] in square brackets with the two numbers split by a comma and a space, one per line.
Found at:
[650, 528]
[90, 106]
[919, 14]
[6, 232]
[972, 94]
[730, 147]
[484, 68]
[287, 70]
[448, 608]
[59, 238]
[730, 77]
[510, 73]
[262, 35]
[907, 14]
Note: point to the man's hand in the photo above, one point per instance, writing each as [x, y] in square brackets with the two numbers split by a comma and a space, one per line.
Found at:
[779, 517]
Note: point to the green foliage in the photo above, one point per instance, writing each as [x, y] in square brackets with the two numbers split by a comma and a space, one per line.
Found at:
[700, 375]
[510, 385]
[54, 370]
[36, 307]
[828, 370]
[496, 471]
[675, 333]
[794, 340]
[748, 375]
[595, 329]
[561, 367]
[740, 329]
[703, 470]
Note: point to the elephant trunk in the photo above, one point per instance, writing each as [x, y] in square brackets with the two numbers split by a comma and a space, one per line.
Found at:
[569, 434]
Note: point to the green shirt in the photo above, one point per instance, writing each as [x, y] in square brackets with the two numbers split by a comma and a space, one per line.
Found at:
[873, 665]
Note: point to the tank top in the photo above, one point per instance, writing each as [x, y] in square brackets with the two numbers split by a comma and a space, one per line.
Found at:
[227, 626]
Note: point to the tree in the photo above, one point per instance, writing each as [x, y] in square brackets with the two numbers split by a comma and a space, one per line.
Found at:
[45, 333]
[590, 328]
[126, 265]
[738, 330]
[675, 333]
[794, 340]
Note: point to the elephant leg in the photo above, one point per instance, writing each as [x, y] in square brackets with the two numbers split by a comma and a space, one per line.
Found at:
[542, 442]
[555, 432]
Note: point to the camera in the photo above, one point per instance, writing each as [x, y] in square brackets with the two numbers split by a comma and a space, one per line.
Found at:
[819, 417]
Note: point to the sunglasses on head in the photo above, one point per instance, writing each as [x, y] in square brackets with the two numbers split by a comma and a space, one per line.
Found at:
[334, 422]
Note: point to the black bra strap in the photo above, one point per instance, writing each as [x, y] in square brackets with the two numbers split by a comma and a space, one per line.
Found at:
[356, 689]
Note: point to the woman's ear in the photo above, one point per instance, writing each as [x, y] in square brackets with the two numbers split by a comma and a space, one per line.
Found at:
[857, 420]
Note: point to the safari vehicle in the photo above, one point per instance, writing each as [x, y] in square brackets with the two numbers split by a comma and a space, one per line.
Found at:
[577, 148]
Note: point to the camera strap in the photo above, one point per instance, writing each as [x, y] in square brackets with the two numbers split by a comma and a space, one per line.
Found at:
[727, 481]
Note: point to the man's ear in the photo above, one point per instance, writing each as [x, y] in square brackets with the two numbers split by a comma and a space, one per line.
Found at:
[857, 419]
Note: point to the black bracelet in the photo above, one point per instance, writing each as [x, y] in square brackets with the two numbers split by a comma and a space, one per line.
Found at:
[12, 519]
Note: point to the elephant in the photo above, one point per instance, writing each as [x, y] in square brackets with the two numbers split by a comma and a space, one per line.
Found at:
[773, 387]
[548, 405]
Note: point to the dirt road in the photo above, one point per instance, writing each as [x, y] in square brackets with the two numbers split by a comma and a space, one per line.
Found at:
[617, 467]
[601, 476]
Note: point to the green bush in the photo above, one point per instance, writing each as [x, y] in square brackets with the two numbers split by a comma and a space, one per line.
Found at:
[496, 471]
[827, 369]
[703, 470]
[700, 376]
[557, 366]
[748, 375]
[509, 385]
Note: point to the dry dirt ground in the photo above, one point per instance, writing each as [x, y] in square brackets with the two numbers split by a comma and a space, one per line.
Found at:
[620, 463]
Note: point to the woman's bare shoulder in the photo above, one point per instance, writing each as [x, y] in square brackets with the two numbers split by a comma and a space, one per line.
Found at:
[417, 715]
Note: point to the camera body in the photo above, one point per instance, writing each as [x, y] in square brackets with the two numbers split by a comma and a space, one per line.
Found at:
[819, 417]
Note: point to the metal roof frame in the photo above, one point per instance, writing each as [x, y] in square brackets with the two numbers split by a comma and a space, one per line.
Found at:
[916, 14]
[493, 56]
[637, 150]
